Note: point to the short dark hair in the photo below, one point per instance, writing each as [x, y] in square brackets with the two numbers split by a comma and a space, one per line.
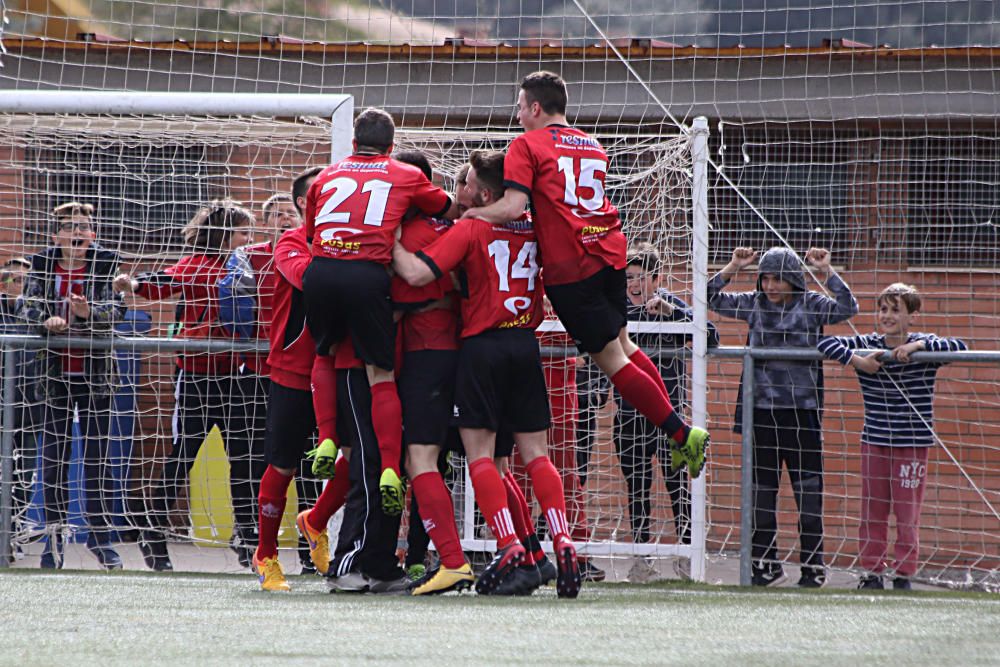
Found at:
[897, 293]
[417, 159]
[68, 210]
[645, 256]
[548, 89]
[489, 170]
[374, 129]
[299, 187]
[211, 227]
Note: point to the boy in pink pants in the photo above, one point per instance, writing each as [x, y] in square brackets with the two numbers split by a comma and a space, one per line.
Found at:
[898, 431]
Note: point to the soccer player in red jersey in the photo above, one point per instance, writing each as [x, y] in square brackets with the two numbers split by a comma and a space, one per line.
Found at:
[562, 170]
[429, 329]
[352, 212]
[500, 383]
[263, 291]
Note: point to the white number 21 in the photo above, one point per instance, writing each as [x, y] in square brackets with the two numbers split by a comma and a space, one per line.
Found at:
[343, 188]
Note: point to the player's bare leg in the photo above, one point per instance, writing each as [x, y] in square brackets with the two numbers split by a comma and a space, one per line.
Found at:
[387, 419]
[438, 515]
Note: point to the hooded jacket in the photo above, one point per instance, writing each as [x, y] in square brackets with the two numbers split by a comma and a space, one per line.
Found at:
[781, 383]
[40, 301]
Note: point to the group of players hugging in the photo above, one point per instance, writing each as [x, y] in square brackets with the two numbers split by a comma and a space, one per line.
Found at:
[378, 259]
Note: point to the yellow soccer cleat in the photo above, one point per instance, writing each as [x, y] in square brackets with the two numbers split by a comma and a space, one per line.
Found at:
[319, 542]
[270, 574]
[444, 580]
[391, 489]
[324, 459]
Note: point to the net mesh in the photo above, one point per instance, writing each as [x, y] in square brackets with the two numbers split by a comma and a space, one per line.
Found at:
[873, 133]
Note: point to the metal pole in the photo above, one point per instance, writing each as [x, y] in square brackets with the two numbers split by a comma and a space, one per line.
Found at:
[342, 131]
[138, 102]
[7, 453]
[699, 342]
[746, 478]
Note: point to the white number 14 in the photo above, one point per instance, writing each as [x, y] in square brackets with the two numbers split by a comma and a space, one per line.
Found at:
[525, 266]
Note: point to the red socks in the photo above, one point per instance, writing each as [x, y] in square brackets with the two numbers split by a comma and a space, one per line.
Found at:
[646, 365]
[332, 497]
[492, 500]
[271, 507]
[548, 489]
[387, 419]
[645, 395]
[524, 527]
[438, 515]
[324, 394]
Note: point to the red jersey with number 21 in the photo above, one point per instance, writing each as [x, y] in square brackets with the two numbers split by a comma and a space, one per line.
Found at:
[354, 206]
[501, 271]
[563, 170]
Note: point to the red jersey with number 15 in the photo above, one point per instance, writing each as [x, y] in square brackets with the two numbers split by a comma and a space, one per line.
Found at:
[354, 206]
[563, 170]
[501, 288]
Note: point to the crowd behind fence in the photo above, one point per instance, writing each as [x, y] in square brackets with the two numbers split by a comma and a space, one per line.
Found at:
[968, 558]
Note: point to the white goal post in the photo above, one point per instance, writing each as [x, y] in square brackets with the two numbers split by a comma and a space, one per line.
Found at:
[58, 117]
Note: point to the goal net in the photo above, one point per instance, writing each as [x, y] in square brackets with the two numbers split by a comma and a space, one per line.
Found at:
[146, 175]
[871, 133]
[650, 177]
[108, 453]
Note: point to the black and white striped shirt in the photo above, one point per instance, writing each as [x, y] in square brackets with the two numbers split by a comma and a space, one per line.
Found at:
[899, 398]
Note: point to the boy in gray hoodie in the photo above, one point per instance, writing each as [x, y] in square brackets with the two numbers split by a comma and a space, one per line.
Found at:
[788, 398]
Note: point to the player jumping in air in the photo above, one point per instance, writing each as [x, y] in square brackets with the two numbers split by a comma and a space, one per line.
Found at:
[352, 212]
[562, 170]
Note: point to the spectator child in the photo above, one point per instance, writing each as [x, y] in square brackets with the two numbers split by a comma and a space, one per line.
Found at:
[787, 397]
[12, 276]
[898, 431]
[636, 440]
[68, 292]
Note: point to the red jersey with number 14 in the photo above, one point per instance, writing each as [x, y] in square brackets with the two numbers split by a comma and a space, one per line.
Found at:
[563, 170]
[501, 289]
[354, 206]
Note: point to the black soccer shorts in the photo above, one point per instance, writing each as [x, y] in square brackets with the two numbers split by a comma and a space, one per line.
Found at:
[291, 426]
[427, 393]
[500, 385]
[593, 310]
[351, 297]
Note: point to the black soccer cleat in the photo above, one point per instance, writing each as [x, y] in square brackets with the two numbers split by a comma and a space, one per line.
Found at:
[547, 571]
[522, 580]
[502, 564]
[568, 581]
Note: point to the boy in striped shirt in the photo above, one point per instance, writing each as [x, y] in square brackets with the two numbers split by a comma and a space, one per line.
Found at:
[898, 430]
